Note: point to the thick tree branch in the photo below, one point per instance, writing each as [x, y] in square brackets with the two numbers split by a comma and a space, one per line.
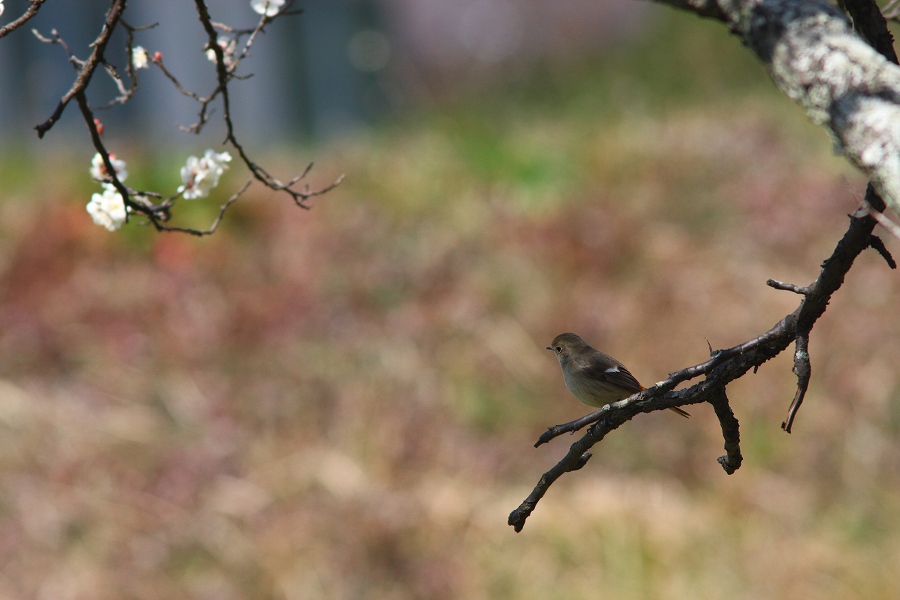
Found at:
[818, 61]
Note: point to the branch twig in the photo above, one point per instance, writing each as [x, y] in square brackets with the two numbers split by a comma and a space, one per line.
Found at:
[224, 72]
[788, 287]
[226, 59]
[90, 65]
[731, 462]
[31, 12]
[215, 224]
[877, 244]
[724, 367]
[803, 370]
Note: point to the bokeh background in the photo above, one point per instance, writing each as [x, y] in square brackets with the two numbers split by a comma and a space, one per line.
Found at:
[341, 403]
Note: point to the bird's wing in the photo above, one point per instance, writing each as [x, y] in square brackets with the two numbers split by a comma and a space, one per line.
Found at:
[616, 374]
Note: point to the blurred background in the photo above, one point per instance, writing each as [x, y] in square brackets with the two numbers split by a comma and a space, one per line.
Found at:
[341, 403]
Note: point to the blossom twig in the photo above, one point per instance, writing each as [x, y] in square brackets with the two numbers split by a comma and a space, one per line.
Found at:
[118, 203]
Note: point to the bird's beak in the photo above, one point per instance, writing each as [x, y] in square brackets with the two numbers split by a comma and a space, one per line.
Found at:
[549, 347]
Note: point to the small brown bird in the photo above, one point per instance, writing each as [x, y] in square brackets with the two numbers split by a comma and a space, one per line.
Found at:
[593, 377]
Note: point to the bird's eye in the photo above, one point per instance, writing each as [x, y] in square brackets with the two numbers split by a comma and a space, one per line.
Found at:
[559, 348]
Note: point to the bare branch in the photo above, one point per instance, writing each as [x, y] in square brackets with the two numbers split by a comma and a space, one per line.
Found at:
[570, 427]
[158, 61]
[788, 287]
[31, 12]
[818, 61]
[215, 224]
[125, 94]
[803, 370]
[731, 462]
[55, 38]
[223, 73]
[877, 244]
[90, 65]
[724, 367]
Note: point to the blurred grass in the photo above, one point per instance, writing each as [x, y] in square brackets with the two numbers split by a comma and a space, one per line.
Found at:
[342, 403]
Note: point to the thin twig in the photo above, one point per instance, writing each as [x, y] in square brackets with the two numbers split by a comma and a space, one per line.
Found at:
[125, 94]
[152, 205]
[803, 370]
[223, 75]
[788, 287]
[215, 224]
[90, 65]
[877, 244]
[26, 16]
[55, 38]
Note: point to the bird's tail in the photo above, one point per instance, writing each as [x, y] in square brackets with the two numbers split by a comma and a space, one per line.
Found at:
[683, 413]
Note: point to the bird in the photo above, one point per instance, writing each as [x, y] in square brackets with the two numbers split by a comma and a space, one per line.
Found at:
[593, 377]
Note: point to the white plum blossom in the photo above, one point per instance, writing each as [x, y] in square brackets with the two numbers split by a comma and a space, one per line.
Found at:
[201, 175]
[228, 46]
[139, 57]
[108, 209]
[98, 169]
[269, 8]
[2, 8]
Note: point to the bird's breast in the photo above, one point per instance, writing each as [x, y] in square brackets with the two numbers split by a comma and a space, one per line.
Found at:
[591, 391]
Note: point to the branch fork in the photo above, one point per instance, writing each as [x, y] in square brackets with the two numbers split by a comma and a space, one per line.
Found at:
[145, 203]
[723, 367]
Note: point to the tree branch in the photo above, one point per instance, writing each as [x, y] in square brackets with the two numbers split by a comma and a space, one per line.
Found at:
[227, 56]
[803, 370]
[731, 462]
[224, 72]
[787, 287]
[877, 244]
[819, 62]
[872, 26]
[724, 367]
[90, 65]
[215, 224]
[31, 12]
